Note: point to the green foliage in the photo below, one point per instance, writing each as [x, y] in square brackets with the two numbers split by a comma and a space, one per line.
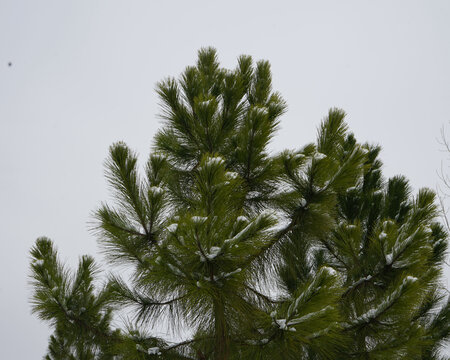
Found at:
[307, 254]
[80, 316]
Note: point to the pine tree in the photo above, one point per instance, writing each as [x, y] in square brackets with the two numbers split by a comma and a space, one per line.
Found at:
[306, 254]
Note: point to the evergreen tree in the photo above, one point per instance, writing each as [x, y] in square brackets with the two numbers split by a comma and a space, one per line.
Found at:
[307, 254]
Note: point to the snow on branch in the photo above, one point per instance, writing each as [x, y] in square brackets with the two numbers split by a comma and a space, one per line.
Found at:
[383, 307]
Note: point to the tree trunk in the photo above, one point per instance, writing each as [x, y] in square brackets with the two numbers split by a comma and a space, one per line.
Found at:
[222, 342]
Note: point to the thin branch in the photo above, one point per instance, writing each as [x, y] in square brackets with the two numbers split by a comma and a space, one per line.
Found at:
[265, 297]
[188, 342]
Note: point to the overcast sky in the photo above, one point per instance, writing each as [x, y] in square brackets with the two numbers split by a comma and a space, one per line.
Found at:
[83, 75]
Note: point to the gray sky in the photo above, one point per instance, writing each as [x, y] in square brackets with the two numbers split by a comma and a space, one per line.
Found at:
[83, 75]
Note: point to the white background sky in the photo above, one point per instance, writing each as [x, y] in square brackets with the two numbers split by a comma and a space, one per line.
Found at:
[83, 76]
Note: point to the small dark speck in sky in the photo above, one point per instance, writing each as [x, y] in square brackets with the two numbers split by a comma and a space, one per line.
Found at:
[10, 63]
